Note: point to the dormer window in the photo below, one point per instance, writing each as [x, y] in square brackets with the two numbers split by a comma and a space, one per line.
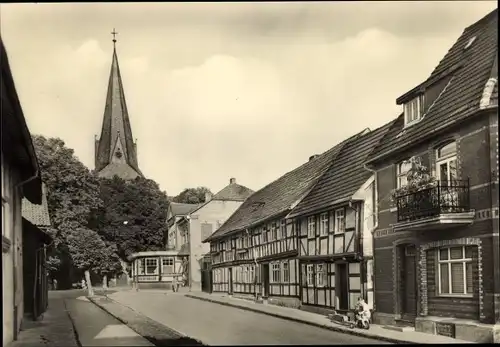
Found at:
[413, 110]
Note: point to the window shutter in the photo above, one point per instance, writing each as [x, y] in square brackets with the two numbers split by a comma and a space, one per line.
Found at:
[469, 276]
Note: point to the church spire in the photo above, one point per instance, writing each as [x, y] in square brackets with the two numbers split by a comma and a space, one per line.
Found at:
[116, 152]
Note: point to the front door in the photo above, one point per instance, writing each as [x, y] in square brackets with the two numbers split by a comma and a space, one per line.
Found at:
[409, 283]
[230, 284]
[265, 279]
[342, 287]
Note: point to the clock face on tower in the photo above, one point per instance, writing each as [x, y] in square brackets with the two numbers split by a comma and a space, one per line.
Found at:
[118, 154]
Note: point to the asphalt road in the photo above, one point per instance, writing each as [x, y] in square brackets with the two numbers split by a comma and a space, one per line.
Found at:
[215, 324]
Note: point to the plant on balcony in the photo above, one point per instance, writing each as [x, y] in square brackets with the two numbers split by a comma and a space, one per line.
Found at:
[418, 179]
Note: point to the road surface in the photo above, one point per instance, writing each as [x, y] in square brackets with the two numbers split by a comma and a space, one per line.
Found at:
[216, 324]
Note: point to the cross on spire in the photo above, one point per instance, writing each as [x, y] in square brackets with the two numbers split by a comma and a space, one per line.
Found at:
[114, 33]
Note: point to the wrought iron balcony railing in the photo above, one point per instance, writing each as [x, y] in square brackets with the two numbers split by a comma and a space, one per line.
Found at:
[442, 197]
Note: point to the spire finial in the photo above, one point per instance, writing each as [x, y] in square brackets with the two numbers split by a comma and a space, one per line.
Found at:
[114, 33]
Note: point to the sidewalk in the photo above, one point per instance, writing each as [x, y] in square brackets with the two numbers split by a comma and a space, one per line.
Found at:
[55, 329]
[375, 331]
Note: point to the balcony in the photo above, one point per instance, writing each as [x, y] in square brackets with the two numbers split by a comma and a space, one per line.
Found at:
[442, 205]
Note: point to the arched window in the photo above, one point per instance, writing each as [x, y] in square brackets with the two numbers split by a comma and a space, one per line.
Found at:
[446, 162]
[402, 173]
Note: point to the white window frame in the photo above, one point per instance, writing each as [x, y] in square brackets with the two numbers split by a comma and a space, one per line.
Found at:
[283, 231]
[321, 275]
[323, 224]
[340, 221]
[446, 159]
[141, 266]
[155, 272]
[275, 272]
[165, 265]
[311, 227]
[464, 260]
[413, 110]
[402, 169]
[285, 269]
[310, 275]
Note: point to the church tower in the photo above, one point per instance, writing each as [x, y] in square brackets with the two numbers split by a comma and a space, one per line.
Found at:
[115, 150]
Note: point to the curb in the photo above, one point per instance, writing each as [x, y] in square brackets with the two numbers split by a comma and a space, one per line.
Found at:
[123, 321]
[303, 321]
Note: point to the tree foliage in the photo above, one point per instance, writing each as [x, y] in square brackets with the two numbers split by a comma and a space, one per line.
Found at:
[134, 215]
[87, 249]
[192, 195]
[73, 191]
[72, 196]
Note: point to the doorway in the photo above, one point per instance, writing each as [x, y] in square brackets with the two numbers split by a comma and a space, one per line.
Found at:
[408, 293]
[265, 280]
[342, 286]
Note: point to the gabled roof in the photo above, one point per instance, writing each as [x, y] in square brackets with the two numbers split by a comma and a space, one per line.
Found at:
[16, 136]
[470, 69]
[281, 195]
[37, 215]
[233, 192]
[179, 209]
[116, 123]
[344, 177]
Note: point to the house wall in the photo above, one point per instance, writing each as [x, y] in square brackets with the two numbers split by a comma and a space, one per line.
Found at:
[270, 245]
[12, 265]
[202, 224]
[477, 142]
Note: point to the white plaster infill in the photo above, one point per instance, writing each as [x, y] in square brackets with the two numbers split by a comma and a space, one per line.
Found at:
[443, 221]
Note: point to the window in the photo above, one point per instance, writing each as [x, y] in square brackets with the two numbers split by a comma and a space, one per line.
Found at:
[320, 275]
[310, 275]
[413, 110]
[455, 270]
[274, 231]
[167, 266]
[286, 272]
[151, 266]
[245, 274]
[283, 230]
[251, 273]
[142, 267]
[275, 272]
[311, 227]
[402, 173]
[446, 163]
[339, 221]
[323, 226]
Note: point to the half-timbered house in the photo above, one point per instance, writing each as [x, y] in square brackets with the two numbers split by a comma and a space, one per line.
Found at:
[254, 252]
[335, 224]
[437, 253]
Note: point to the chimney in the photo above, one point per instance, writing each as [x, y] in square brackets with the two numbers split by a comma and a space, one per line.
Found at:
[208, 196]
[232, 180]
[313, 157]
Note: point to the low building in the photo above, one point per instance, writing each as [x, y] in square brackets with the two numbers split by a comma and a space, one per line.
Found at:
[336, 220]
[201, 223]
[437, 253]
[20, 178]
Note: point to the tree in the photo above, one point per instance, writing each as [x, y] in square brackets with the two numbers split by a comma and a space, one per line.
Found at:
[72, 196]
[134, 215]
[88, 252]
[192, 195]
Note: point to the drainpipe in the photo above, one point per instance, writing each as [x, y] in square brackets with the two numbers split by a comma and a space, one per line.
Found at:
[375, 226]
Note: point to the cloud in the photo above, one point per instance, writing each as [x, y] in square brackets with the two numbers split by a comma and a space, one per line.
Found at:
[246, 90]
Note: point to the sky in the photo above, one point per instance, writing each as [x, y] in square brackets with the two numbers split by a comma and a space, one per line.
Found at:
[221, 90]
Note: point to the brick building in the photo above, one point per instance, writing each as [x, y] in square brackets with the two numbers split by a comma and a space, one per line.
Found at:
[437, 247]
